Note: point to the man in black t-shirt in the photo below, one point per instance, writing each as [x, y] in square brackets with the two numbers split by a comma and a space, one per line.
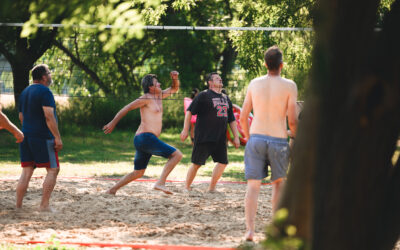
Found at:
[214, 112]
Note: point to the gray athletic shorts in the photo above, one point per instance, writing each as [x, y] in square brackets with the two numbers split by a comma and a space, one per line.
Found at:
[263, 150]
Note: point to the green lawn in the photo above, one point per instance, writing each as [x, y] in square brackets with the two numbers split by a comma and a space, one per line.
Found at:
[89, 152]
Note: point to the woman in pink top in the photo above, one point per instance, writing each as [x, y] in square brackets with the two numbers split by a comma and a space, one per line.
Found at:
[186, 103]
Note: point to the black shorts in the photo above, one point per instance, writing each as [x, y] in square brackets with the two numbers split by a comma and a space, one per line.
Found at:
[217, 150]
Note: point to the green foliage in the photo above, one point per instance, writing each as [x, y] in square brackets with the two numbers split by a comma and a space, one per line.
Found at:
[295, 45]
[126, 16]
[96, 112]
[280, 235]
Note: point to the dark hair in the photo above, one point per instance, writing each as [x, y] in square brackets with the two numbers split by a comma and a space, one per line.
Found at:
[195, 91]
[273, 58]
[209, 76]
[147, 82]
[39, 70]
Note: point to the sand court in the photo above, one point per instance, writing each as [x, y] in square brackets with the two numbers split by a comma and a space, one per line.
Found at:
[137, 214]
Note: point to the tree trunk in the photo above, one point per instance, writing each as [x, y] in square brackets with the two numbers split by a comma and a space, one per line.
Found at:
[343, 191]
[20, 72]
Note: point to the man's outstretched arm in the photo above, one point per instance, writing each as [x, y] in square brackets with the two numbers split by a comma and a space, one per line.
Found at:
[109, 127]
[8, 125]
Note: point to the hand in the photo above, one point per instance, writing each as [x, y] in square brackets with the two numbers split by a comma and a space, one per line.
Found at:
[174, 75]
[58, 145]
[236, 142]
[108, 128]
[184, 135]
[19, 136]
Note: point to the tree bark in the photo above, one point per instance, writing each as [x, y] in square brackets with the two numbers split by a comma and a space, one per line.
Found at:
[343, 190]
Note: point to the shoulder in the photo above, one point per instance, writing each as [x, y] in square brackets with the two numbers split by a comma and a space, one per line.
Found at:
[289, 82]
[145, 98]
[202, 94]
[256, 81]
[259, 79]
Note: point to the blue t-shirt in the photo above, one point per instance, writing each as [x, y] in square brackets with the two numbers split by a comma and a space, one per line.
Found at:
[31, 102]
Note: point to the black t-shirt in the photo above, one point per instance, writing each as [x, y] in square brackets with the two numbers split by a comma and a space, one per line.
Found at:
[214, 112]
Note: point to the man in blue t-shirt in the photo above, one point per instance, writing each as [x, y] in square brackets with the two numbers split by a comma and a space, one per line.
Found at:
[214, 112]
[37, 112]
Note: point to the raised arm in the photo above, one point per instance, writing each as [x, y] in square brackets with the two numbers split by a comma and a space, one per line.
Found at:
[53, 127]
[8, 125]
[174, 86]
[292, 112]
[141, 101]
[244, 114]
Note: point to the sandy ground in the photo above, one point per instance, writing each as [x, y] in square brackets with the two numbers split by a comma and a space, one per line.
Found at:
[137, 215]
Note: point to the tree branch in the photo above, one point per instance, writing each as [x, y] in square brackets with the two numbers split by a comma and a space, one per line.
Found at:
[122, 70]
[83, 66]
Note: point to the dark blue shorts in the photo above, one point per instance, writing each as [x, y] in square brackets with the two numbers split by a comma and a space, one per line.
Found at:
[147, 144]
[263, 150]
[38, 152]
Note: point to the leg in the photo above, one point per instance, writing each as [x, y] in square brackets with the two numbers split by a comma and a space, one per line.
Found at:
[251, 200]
[190, 175]
[48, 187]
[23, 184]
[276, 191]
[174, 159]
[136, 174]
[217, 173]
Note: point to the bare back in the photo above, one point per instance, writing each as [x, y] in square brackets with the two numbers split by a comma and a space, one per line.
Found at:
[151, 115]
[272, 99]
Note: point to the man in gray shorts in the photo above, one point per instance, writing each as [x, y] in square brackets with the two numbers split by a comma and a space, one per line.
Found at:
[272, 98]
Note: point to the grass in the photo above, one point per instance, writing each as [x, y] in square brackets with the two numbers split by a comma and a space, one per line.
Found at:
[88, 152]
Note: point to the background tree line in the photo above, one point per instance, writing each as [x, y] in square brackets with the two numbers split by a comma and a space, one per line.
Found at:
[109, 62]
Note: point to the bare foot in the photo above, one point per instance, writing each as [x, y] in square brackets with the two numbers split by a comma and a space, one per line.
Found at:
[162, 188]
[212, 191]
[47, 210]
[249, 236]
[111, 192]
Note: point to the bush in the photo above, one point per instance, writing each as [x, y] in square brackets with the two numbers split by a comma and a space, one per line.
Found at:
[95, 112]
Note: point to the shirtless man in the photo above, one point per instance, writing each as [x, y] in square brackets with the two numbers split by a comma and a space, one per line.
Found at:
[5, 123]
[271, 98]
[146, 139]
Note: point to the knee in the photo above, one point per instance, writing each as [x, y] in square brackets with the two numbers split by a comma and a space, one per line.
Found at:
[53, 171]
[178, 154]
[140, 173]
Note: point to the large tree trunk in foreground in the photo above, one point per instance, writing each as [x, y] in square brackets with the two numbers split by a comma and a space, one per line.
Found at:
[343, 192]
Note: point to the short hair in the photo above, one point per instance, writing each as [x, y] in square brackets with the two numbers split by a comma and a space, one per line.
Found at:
[273, 58]
[209, 76]
[39, 70]
[147, 82]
